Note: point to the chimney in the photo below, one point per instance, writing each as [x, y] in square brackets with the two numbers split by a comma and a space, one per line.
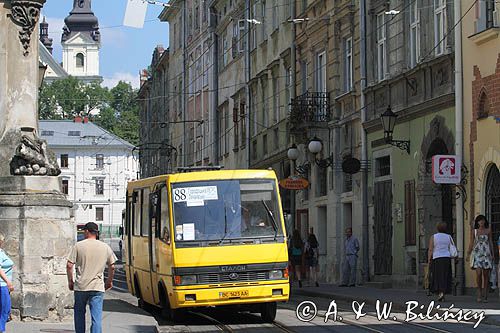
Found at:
[85, 120]
[77, 119]
[143, 74]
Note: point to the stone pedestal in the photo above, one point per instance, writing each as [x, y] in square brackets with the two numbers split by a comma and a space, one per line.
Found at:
[36, 220]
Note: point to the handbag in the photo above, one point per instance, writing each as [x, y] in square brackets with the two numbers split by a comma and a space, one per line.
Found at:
[453, 249]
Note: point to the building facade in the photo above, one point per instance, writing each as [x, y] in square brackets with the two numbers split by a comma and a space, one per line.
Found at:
[481, 116]
[95, 168]
[81, 42]
[412, 74]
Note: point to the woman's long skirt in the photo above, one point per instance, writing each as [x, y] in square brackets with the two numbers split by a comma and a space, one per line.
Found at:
[441, 275]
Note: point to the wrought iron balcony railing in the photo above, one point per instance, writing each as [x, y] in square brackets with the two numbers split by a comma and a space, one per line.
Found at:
[310, 107]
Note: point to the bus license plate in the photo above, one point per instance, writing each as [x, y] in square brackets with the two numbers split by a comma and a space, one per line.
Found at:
[231, 294]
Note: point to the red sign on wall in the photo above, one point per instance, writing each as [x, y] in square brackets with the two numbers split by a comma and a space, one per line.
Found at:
[294, 183]
[446, 169]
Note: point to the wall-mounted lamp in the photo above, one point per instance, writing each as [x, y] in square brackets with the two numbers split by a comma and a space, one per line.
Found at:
[388, 119]
[315, 146]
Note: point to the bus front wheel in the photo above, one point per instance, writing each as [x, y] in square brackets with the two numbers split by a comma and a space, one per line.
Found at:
[174, 315]
[268, 312]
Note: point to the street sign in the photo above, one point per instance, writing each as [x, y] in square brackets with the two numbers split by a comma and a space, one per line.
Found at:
[446, 169]
[294, 183]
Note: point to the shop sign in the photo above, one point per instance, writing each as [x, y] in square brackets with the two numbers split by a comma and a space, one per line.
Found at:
[294, 183]
[446, 169]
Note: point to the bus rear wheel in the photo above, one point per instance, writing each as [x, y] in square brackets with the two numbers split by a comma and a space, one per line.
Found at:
[268, 312]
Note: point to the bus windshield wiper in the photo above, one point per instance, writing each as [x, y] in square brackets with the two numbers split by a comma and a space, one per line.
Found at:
[225, 227]
[275, 225]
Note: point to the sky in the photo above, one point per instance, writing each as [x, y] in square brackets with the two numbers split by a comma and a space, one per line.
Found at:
[124, 50]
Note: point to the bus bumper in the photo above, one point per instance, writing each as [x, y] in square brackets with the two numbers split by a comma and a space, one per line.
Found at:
[218, 296]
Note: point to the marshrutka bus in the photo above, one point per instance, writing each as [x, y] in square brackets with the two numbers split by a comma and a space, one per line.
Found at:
[207, 238]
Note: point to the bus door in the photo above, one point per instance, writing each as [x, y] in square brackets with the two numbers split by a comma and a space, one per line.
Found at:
[154, 214]
[129, 217]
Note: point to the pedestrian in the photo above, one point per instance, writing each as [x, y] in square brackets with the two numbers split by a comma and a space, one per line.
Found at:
[296, 252]
[120, 246]
[90, 256]
[6, 286]
[312, 256]
[480, 255]
[440, 261]
[351, 249]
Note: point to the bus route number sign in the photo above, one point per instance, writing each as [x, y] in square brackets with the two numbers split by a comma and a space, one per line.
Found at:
[195, 194]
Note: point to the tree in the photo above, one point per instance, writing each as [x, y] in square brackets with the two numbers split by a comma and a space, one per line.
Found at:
[69, 97]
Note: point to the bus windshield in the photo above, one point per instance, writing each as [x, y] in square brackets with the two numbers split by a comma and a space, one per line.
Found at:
[223, 211]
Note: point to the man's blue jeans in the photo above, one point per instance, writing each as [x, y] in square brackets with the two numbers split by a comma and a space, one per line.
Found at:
[94, 299]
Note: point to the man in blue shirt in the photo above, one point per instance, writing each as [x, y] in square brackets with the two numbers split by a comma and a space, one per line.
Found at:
[351, 249]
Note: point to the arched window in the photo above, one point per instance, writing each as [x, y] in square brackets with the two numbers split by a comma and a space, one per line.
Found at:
[484, 106]
[80, 60]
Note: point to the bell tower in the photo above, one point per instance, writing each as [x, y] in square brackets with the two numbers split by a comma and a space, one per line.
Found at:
[81, 42]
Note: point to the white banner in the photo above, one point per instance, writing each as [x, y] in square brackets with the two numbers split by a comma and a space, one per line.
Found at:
[135, 14]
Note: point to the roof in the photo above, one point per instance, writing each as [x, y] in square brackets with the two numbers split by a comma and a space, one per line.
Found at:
[46, 57]
[57, 133]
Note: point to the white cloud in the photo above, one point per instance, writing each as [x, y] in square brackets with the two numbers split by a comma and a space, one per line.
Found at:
[112, 81]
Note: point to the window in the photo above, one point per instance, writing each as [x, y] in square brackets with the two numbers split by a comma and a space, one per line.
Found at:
[381, 47]
[439, 25]
[414, 34]
[264, 103]
[276, 100]
[80, 60]
[164, 216]
[286, 9]
[99, 213]
[137, 200]
[263, 20]
[303, 72]
[347, 186]
[99, 161]
[99, 186]
[321, 72]
[254, 149]
[145, 213]
[288, 85]
[410, 216]
[383, 166]
[253, 28]
[253, 106]
[74, 133]
[276, 138]
[243, 124]
[486, 15]
[64, 160]
[225, 49]
[236, 128]
[491, 19]
[264, 144]
[47, 133]
[227, 119]
[348, 64]
[242, 37]
[322, 188]
[65, 186]
[275, 14]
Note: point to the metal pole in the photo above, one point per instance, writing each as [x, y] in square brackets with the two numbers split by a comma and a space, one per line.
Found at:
[364, 146]
[460, 275]
[247, 80]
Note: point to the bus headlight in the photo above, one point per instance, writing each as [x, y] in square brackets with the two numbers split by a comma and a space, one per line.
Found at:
[183, 280]
[276, 275]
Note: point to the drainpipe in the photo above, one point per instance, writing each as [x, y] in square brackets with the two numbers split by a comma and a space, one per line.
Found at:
[215, 86]
[247, 80]
[460, 275]
[185, 84]
[364, 146]
[293, 81]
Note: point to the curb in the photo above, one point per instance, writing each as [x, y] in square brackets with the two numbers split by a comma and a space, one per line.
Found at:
[396, 306]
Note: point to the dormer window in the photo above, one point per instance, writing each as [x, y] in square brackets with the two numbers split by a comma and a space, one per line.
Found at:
[80, 60]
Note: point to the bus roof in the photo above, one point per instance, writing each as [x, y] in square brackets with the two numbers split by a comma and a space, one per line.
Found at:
[203, 175]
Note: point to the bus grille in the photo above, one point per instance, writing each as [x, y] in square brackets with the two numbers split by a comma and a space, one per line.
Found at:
[224, 277]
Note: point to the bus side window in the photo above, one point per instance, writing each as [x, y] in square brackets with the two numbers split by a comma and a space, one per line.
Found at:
[153, 211]
[164, 216]
[136, 221]
[145, 212]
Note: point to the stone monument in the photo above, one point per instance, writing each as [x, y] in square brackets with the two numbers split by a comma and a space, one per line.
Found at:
[35, 216]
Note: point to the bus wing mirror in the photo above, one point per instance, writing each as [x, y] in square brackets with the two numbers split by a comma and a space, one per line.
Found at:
[120, 231]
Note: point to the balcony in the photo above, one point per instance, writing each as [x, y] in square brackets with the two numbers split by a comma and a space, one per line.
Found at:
[311, 109]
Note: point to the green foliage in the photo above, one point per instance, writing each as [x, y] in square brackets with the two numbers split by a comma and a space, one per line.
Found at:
[69, 97]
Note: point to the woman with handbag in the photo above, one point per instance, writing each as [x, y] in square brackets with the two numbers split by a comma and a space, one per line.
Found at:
[481, 247]
[441, 250]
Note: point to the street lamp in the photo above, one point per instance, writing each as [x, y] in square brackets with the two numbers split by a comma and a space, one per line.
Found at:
[315, 146]
[388, 119]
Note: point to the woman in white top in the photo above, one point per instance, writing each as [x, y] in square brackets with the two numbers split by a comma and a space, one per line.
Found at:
[440, 261]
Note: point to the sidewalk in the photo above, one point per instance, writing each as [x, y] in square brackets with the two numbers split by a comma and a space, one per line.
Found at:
[399, 296]
[120, 314]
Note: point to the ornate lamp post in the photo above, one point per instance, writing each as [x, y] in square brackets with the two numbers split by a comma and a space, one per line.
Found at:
[388, 119]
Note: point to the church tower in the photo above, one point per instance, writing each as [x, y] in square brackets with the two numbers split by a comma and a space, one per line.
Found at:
[81, 42]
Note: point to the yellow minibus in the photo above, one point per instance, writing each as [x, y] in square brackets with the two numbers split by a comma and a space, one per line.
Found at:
[207, 238]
